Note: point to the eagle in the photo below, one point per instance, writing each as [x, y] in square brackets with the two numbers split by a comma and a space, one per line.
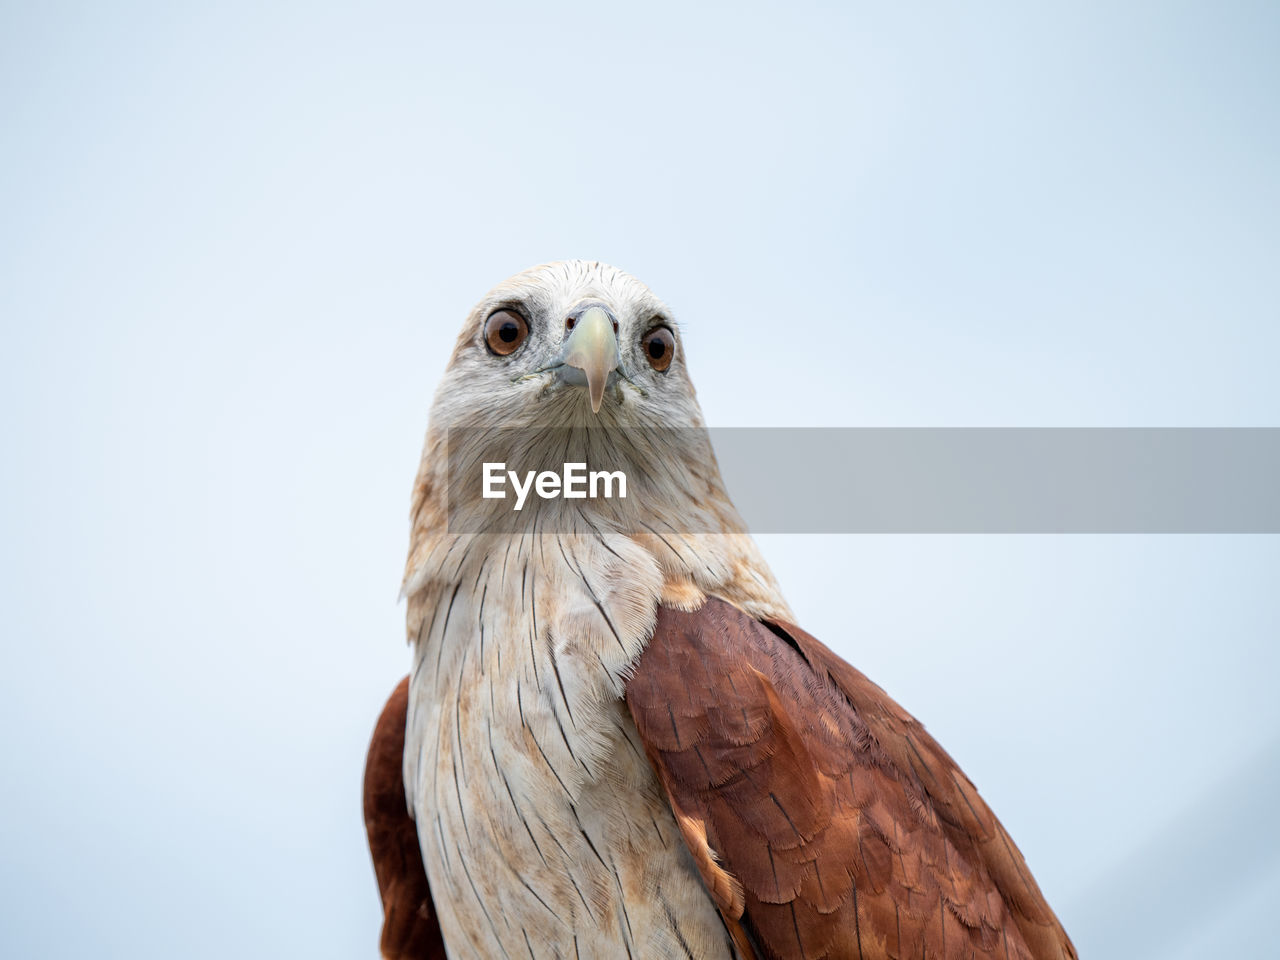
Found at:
[614, 740]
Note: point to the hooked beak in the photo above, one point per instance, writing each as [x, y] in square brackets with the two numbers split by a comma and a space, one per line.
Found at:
[592, 347]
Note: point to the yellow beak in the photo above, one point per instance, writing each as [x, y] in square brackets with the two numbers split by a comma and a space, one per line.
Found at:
[592, 347]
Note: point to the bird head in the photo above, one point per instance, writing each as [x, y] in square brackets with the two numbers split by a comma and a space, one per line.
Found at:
[568, 344]
[573, 361]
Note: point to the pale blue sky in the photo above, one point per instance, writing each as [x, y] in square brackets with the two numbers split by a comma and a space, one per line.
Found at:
[236, 243]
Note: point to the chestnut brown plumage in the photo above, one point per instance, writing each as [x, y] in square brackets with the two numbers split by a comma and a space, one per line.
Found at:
[613, 743]
[851, 832]
[410, 928]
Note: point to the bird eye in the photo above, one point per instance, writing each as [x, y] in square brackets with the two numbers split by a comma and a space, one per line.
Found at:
[659, 346]
[504, 331]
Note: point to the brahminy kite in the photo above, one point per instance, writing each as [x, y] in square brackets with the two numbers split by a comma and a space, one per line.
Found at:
[615, 741]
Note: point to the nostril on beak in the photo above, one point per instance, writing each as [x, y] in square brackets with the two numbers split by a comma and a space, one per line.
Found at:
[572, 321]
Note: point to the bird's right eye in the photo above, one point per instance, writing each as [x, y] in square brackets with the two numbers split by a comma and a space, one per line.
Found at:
[504, 331]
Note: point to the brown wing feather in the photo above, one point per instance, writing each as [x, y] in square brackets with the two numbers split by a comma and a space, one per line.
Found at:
[410, 928]
[850, 831]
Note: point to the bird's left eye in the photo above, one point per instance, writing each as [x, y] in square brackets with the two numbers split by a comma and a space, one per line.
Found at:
[504, 331]
[659, 346]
